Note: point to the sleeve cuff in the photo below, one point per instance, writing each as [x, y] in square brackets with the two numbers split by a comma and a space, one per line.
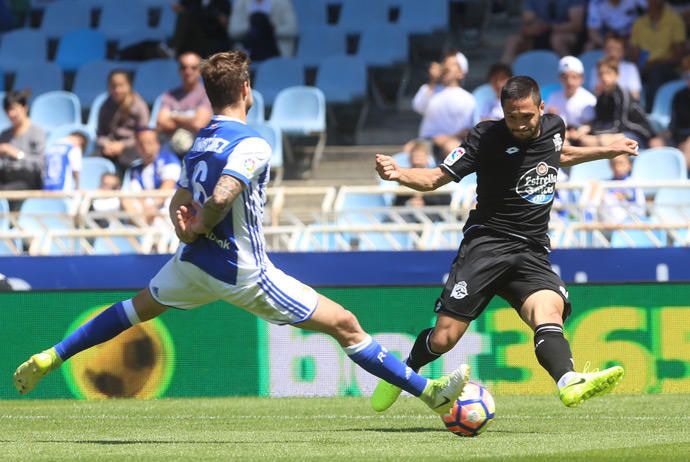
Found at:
[450, 172]
[237, 175]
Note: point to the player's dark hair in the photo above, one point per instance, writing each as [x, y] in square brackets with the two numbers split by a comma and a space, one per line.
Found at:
[499, 69]
[520, 87]
[16, 97]
[224, 75]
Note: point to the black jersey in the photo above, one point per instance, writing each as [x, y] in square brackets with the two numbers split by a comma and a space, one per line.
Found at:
[516, 181]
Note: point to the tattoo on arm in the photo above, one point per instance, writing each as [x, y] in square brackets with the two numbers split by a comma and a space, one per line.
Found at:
[218, 205]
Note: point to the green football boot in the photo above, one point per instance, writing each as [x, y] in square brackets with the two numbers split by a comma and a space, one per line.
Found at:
[586, 385]
[30, 372]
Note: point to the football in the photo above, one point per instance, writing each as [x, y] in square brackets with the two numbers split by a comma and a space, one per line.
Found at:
[472, 412]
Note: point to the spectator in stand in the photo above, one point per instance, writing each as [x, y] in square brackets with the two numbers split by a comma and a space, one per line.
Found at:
[267, 28]
[620, 204]
[185, 108]
[63, 162]
[499, 74]
[547, 24]
[573, 103]
[616, 114]
[155, 169]
[22, 148]
[657, 40]
[104, 206]
[447, 109]
[420, 157]
[628, 75]
[121, 115]
[679, 128]
[201, 27]
[611, 17]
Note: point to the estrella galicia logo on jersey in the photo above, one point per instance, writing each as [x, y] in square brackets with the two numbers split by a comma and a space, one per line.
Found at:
[454, 156]
[459, 290]
[557, 142]
[512, 150]
[538, 185]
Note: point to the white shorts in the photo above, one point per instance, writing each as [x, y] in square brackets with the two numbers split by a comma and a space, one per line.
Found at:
[271, 295]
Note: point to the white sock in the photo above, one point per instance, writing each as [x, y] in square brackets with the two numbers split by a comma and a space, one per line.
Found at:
[566, 378]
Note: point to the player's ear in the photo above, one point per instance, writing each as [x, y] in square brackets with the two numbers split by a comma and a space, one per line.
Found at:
[541, 108]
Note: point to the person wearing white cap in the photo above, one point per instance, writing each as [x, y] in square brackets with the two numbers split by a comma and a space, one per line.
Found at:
[572, 102]
[447, 108]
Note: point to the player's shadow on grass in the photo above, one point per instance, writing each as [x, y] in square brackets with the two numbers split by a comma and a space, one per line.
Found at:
[121, 442]
[397, 430]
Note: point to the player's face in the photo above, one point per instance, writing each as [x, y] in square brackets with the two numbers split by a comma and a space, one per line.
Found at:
[522, 117]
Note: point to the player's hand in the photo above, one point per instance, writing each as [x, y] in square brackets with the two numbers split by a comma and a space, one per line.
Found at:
[623, 146]
[184, 217]
[387, 168]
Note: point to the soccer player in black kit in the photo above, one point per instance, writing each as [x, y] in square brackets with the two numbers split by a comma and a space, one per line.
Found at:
[505, 246]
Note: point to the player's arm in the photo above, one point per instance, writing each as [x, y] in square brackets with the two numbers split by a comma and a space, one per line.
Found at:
[572, 155]
[218, 205]
[419, 179]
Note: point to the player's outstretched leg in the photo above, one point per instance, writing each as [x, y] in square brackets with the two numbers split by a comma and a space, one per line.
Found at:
[577, 387]
[109, 323]
[440, 394]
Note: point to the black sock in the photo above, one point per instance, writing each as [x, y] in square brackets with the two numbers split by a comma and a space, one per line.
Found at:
[421, 353]
[552, 350]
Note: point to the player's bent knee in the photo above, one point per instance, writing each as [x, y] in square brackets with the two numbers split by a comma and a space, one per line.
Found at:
[443, 340]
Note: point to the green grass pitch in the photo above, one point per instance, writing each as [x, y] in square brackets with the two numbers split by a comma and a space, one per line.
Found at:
[529, 429]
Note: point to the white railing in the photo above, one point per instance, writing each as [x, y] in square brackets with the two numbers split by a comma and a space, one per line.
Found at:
[347, 218]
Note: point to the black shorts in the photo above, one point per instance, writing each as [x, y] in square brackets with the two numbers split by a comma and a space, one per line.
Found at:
[494, 264]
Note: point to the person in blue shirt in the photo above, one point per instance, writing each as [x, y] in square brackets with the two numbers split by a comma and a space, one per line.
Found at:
[217, 213]
[63, 162]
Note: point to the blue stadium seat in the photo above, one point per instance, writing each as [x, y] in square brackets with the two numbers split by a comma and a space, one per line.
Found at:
[121, 18]
[276, 74]
[384, 46]
[63, 130]
[599, 170]
[672, 206]
[343, 79]
[547, 90]
[4, 217]
[637, 238]
[4, 121]
[140, 35]
[55, 108]
[665, 163]
[79, 47]
[317, 43]
[64, 16]
[91, 171]
[257, 113]
[541, 65]
[155, 109]
[22, 47]
[155, 77]
[116, 245]
[300, 111]
[39, 215]
[358, 15]
[274, 137]
[39, 77]
[661, 109]
[482, 95]
[92, 122]
[92, 79]
[589, 61]
[311, 12]
[423, 17]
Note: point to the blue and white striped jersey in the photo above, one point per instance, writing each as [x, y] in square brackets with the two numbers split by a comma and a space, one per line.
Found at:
[234, 250]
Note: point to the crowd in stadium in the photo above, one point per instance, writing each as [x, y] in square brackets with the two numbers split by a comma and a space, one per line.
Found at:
[105, 95]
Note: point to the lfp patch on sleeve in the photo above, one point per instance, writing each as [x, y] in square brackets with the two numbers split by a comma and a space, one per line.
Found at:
[454, 156]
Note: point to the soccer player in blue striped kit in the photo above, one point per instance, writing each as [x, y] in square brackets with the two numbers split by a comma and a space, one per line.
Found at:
[217, 212]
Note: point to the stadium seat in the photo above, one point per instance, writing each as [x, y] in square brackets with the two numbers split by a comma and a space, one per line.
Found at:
[547, 90]
[423, 17]
[55, 108]
[661, 109]
[482, 95]
[143, 34]
[317, 43]
[92, 79]
[39, 77]
[311, 12]
[63, 130]
[358, 15]
[4, 217]
[115, 245]
[383, 46]
[155, 77]
[637, 238]
[166, 22]
[274, 137]
[301, 111]
[92, 122]
[79, 47]
[257, 113]
[4, 121]
[91, 171]
[589, 61]
[39, 215]
[64, 16]
[276, 74]
[22, 47]
[665, 163]
[121, 18]
[541, 65]
[342, 79]
[597, 170]
[672, 206]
